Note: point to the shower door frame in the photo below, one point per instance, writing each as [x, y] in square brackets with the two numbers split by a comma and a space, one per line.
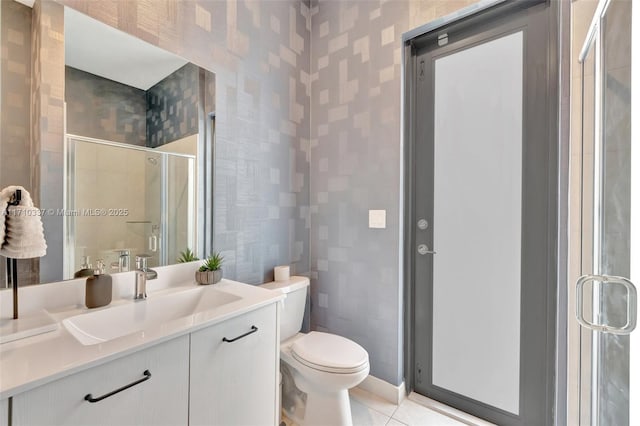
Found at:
[483, 14]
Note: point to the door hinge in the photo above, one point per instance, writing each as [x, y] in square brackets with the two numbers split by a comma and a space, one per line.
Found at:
[418, 373]
[421, 70]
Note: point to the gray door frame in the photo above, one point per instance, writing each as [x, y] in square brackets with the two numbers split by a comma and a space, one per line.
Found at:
[538, 402]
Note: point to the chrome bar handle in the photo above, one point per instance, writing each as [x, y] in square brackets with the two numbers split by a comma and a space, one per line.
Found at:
[632, 301]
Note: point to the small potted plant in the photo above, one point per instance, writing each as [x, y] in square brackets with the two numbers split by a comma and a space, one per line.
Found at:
[187, 256]
[211, 270]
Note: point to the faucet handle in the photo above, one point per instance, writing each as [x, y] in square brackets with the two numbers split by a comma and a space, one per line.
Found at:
[141, 261]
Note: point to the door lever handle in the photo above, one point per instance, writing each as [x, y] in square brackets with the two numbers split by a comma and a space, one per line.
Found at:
[423, 249]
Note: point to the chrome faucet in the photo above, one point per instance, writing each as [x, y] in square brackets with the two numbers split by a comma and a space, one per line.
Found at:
[143, 273]
[123, 261]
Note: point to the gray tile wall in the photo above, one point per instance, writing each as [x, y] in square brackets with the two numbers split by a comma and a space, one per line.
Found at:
[15, 85]
[172, 107]
[104, 109]
[47, 128]
[355, 166]
[15, 126]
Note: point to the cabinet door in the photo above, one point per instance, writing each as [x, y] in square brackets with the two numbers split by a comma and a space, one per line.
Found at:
[4, 412]
[234, 383]
[162, 399]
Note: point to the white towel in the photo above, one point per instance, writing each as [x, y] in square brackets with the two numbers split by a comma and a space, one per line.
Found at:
[21, 228]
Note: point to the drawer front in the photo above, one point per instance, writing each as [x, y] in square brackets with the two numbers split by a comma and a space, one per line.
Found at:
[162, 399]
[234, 382]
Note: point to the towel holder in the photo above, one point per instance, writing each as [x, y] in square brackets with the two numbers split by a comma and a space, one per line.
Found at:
[12, 264]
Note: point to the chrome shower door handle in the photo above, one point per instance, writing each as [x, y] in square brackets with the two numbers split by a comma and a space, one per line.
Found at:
[632, 298]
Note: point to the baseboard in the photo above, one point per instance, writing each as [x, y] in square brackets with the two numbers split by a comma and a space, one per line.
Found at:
[385, 390]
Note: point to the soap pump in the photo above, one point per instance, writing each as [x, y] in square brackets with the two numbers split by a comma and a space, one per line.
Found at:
[85, 270]
[98, 288]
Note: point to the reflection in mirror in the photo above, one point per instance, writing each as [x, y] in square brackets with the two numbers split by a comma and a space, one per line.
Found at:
[137, 151]
[124, 200]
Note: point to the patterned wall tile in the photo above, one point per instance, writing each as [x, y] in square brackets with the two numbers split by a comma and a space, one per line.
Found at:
[15, 86]
[355, 161]
[15, 126]
[355, 166]
[104, 109]
[47, 128]
[172, 107]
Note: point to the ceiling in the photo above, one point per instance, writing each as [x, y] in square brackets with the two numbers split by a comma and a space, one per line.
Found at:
[99, 49]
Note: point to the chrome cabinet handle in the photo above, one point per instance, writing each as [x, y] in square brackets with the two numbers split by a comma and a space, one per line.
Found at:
[253, 330]
[423, 249]
[147, 376]
[632, 298]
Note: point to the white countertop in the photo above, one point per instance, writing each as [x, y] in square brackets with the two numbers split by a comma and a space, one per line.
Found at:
[34, 361]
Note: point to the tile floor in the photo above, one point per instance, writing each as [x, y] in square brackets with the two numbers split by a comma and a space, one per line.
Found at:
[368, 409]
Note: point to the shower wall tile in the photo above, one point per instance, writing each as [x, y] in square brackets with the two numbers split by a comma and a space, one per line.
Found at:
[104, 109]
[262, 116]
[355, 166]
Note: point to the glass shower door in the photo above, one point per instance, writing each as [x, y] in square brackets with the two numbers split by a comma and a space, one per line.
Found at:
[606, 305]
[123, 201]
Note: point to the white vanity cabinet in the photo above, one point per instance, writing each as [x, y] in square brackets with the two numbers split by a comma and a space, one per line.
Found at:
[234, 369]
[4, 412]
[161, 399]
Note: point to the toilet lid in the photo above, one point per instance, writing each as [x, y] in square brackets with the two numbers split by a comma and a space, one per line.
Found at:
[331, 353]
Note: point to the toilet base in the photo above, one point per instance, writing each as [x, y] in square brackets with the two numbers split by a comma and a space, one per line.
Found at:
[327, 393]
[328, 409]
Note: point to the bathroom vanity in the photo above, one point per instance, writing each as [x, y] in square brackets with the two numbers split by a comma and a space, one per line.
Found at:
[197, 355]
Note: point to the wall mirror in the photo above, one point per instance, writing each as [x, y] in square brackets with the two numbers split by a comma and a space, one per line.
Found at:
[138, 153]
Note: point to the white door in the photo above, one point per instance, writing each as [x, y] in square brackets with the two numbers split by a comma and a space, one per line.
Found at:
[606, 306]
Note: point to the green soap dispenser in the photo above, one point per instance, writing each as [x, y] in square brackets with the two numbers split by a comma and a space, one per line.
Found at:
[99, 288]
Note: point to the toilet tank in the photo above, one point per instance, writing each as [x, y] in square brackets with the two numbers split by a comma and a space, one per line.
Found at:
[292, 308]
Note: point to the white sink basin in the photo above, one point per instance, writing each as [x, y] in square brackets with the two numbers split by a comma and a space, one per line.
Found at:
[107, 324]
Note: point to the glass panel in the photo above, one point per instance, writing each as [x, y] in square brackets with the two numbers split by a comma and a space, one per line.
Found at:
[107, 184]
[476, 327]
[614, 227]
[180, 178]
[606, 75]
[150, 224]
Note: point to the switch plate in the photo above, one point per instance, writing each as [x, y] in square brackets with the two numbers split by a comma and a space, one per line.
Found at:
[377, 219]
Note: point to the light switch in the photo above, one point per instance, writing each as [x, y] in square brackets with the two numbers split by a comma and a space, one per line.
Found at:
[378, 219]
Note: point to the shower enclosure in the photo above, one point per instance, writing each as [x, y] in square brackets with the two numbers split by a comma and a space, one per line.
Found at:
[606, 298]
[123, 200]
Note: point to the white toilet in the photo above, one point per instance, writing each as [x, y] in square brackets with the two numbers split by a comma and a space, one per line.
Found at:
[324, 366]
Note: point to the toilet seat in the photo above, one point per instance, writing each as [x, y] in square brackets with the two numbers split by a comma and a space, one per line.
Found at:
[330, 353]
